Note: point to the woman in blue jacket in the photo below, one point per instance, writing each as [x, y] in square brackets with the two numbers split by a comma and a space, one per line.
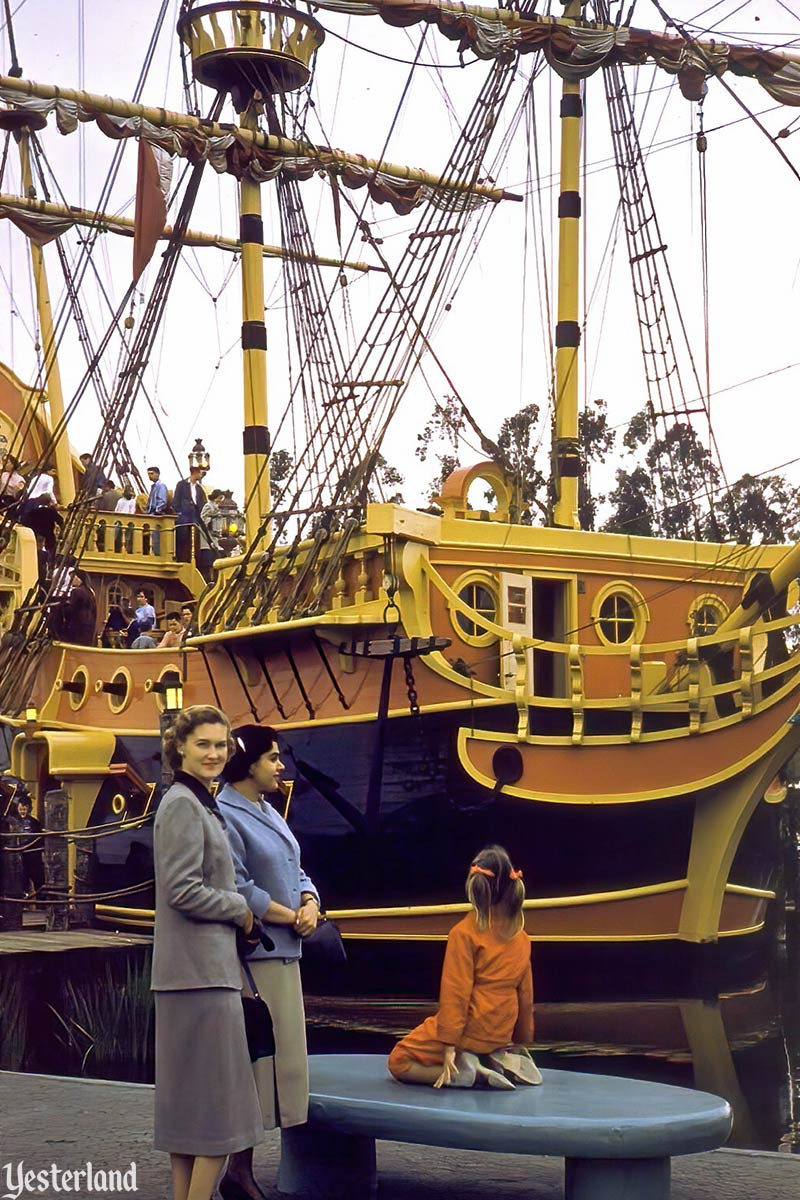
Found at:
[270, 877]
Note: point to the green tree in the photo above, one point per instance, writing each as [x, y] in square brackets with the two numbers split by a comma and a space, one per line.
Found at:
[633, 504]
[517, 445]
[597, 441]
[386, 477]
[763, 508]
[445, 428]
[517, 450]
[671, 492]
[281, 465]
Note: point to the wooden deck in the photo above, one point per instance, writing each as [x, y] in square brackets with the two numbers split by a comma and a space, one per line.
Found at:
[39, 941]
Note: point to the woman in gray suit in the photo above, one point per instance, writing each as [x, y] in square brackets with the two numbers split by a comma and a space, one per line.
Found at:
[271, 879]
[206, 1105]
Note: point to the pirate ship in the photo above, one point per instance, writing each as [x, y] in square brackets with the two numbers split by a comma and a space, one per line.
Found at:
[616, 709]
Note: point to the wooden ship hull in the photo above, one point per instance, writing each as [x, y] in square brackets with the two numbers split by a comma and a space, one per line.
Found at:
[631, 780]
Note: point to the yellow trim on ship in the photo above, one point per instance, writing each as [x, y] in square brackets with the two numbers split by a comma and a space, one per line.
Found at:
[109, 914]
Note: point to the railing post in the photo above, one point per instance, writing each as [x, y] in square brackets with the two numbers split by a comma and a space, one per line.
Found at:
[56, 857]
[12, 881]
[576, 693]
[636, 692]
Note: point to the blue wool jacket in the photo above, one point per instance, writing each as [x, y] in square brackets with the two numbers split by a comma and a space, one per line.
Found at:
[266, 856]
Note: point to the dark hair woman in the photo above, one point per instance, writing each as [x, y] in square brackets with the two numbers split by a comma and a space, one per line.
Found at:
[272, 881]
[206, 1105]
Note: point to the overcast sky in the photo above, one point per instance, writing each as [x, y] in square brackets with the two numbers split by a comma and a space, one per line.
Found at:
[492, 342]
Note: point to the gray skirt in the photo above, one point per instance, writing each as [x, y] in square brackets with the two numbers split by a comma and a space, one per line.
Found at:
[205, 1097]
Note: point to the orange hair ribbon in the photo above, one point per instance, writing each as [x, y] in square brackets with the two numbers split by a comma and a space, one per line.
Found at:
[476, 870]
[515, 874]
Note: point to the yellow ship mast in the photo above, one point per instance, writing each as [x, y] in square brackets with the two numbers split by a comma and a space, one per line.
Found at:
[254, 358]
[252, 51]
[566, 449]
[52, 372]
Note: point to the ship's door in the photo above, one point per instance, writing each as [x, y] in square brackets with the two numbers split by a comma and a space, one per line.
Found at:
[516, 615]
[550, 609]
[535, 608]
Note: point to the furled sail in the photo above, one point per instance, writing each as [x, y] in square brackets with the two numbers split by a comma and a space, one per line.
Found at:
[243, 153]
[578, 49]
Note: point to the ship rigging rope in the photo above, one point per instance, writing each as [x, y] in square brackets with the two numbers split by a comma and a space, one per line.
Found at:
[120, 456]
[85, 253]
[701, 53]
[59, 896]
[666, 392]
[404, 62]
[21, 656]
[386, 350]
[392, 335]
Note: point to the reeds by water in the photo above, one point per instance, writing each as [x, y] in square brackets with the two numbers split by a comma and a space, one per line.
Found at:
[105, 1021]
[14, 1021]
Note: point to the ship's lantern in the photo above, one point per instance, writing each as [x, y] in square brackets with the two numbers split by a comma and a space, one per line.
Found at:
[244, 46]
[227, 524]
[199, 456]
[168, 688]
[172, 686]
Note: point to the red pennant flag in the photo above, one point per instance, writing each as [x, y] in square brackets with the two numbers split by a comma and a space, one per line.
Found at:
[151, 209]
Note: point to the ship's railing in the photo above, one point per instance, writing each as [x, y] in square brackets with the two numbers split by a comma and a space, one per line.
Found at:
[123, 535]
[341, 579]
[669, 677]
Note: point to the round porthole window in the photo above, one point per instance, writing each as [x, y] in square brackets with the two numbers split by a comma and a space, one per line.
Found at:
[78, 688]
[479, 592]
[620, 614]
[119, 690]
[706, 615]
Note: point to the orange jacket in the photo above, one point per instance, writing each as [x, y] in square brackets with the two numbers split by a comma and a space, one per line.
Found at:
[486, 993]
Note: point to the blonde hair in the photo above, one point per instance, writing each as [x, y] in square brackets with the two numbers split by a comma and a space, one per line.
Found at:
[490, 885]
[186, 721]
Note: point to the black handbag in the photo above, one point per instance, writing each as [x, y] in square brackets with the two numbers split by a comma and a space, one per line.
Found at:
[324, 947]
[257, 1022]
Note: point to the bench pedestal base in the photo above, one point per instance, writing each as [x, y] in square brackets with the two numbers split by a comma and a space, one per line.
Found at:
[616, 1179]
[326, 1164]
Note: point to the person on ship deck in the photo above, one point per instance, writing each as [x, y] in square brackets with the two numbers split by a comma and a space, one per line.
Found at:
[12, 484]
[174, 636]
[156, 504]
[188, 502]
[144, 612]
[107, 500]
[39, 512]
[74, 618]
[94, 479]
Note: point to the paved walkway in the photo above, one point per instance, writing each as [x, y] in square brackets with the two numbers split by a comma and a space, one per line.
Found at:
[70, 1122]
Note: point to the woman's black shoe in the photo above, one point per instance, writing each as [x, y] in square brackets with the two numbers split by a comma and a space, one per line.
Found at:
[229, 1189]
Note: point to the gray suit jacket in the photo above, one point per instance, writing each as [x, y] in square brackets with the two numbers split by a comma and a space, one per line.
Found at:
[266, 856]
[197, 904]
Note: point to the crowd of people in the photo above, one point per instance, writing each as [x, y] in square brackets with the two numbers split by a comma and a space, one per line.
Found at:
[33, 502]
[30, 499]
[136, 627]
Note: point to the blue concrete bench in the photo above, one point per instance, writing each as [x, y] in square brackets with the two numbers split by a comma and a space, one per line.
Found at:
[617, 1136]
